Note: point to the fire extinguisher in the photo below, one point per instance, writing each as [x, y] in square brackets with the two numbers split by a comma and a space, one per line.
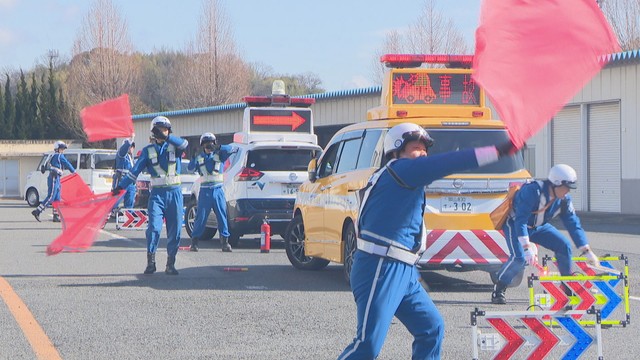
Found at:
[265, 236]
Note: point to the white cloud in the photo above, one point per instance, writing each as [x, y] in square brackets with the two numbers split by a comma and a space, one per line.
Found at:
[357, 82]
[6, 36]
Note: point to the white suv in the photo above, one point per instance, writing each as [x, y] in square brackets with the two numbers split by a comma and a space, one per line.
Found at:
[262, 178]
[95, 166]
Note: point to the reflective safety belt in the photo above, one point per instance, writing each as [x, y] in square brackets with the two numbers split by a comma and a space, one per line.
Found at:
[163, 178]
[210, 176]
[392, 252]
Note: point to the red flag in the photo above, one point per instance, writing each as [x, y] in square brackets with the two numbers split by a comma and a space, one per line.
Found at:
[532, 57]
[81, 221]
[108, 120]
[73, 188]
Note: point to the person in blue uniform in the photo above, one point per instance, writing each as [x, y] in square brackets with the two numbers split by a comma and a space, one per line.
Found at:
[57, 165]
[391, 236]
[124, 163]
[161, 159]
[210, 165]
[534, 205]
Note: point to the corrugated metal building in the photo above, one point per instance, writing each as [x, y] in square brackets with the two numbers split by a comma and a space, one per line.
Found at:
[596, 133]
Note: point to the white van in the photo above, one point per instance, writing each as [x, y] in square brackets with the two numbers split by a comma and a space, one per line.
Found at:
[95, 166]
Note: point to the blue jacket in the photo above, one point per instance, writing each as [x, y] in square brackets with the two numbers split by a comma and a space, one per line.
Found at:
[535, 196]
[392, 214]
[211, 161]
[59, 162]
[145, 163]
[124, 161]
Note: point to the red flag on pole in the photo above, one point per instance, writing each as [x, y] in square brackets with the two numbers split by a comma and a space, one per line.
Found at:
[73, 188]
[532, 57]
[108, 120]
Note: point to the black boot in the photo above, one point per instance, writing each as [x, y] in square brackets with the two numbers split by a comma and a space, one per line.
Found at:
[56, 218]
[224, 241]
[36, 214]
[498, 295]
[151, 264]
[194, 245]
[171, 269]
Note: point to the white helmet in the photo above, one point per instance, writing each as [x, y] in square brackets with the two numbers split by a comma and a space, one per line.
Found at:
[562, 174]
[400, 134]
[160, 121]
[207, 137]
[59, 145]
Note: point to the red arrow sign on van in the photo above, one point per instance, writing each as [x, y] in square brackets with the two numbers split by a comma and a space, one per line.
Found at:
[294, 120]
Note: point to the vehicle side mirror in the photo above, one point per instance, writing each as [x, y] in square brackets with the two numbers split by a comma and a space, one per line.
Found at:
[312, 169]
[43, 169]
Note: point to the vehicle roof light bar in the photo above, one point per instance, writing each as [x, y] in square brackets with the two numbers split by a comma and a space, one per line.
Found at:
[278, 100]
[416, 60]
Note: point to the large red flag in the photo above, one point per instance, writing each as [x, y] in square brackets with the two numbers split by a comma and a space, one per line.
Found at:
[73, 188]
[108, 120]
[532, 57]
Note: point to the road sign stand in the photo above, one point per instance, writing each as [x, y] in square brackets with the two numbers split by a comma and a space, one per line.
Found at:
[604, 291]
[137, 219]
[525, 330]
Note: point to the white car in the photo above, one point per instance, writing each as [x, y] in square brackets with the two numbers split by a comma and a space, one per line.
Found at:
[187, 179]
[260, 181]
[95, 166]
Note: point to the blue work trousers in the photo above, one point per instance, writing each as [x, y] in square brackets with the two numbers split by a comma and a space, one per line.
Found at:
[129, 197]
[53, 192]
[167, 203]
[384, 288]
[545, 235]
[211, 198]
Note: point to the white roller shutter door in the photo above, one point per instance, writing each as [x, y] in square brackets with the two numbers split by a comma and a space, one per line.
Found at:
[604, 157]
[567, 147]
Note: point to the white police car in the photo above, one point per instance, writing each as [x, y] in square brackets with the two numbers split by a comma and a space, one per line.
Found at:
[262, 178]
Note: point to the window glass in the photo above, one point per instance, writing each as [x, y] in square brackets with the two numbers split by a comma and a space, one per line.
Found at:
[104, 161]
[453, 140]
[371, 150]
[44, 161]
[348, 155]
[279, 159]
[328, 162]
[184, 167]
[73, 159]
[85, 161]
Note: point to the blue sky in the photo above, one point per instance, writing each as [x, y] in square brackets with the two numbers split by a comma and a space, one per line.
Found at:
[335, 39]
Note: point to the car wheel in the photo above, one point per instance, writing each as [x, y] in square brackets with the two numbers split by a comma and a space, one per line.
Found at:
[33, 198]
[209, 233]
[349, 240]
[234, 238]
[190, 218]
[294, 246]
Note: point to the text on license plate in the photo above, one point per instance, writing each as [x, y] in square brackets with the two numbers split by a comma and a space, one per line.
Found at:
[288, 189]
[456, 204]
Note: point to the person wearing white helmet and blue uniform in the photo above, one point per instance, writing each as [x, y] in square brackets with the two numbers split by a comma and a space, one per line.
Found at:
[124, 163]
[57, 165]
[392, 236]
[534, 205]
[210, 165]
[161, 159]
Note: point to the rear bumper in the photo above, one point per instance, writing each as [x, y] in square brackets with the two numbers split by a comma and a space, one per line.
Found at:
[246, 215]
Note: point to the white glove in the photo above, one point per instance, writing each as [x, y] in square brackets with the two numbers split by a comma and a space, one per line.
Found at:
[58, 171]
[530, 250]
[592, 259]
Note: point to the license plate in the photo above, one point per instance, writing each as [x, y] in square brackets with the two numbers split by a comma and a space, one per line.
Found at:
[456, 204]
[289, 189]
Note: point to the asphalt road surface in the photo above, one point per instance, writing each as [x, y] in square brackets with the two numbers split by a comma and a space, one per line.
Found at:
[98, 305]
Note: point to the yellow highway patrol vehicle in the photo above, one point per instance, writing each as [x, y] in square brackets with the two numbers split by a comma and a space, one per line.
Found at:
[462, 233]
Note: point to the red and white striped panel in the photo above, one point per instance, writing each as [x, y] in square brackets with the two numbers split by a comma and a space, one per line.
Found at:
[468, 247]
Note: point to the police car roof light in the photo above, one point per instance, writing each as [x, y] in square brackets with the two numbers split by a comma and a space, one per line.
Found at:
[278, 100]
[416, 60]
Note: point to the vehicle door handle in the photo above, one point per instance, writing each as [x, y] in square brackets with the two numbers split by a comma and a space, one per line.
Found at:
[323, 188]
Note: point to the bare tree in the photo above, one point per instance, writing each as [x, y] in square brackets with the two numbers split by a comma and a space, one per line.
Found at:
[432, 33]
[624, 17]
[213, 72]
[103, 65]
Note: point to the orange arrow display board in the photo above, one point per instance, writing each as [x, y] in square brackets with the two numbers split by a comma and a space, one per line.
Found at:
[275, 120]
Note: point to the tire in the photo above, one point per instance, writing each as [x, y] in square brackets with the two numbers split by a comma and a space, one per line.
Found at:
[517, 280]
[33, 198]
[190, 218]
[234, 238]
[294, 246]
[349, 240]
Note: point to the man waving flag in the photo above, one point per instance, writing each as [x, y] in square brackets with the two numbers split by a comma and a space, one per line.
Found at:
[532, 57]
